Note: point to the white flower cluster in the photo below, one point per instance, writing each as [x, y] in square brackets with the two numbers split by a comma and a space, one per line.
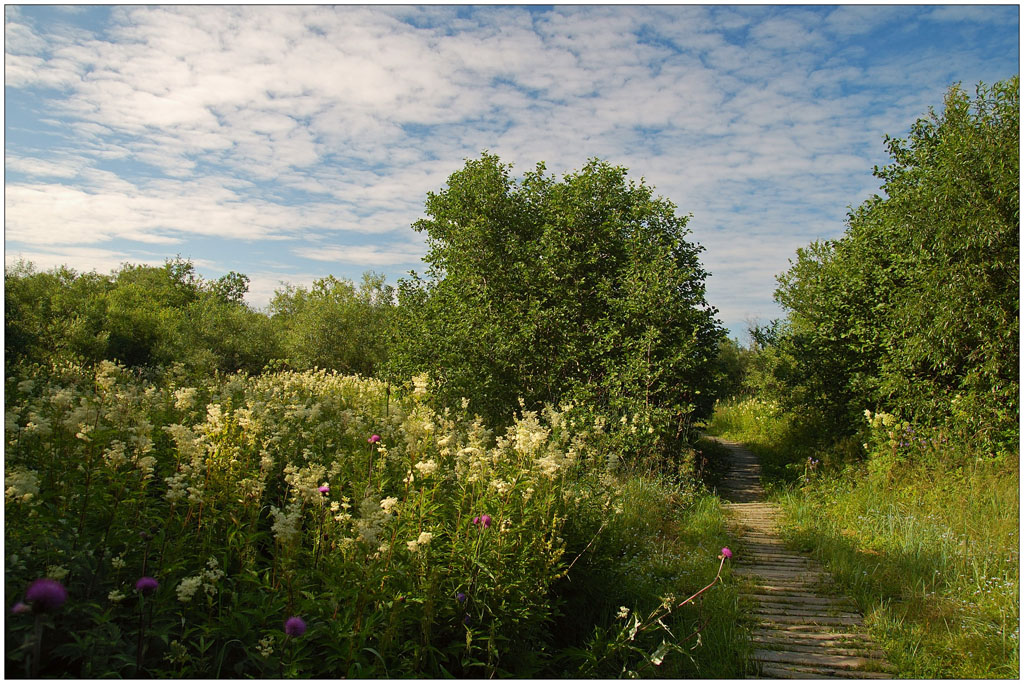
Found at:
[207, 580]
[426, 468]
[372, 517]
[266, 646]
[528, 435]
[305, 481]
[22, 484]
[287, 523]
[422, 540]
[185, 398]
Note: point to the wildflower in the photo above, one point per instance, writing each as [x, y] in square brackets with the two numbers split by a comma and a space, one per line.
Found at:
[116, 596]
[726, 553]
[46, 594]
[324, 489]
[460, 597]
[286, 523]
[422, 540]
[294, 626]
[483, 521]
[623, 613]
[56, 572]
[184, 398]
[426, 468]
[146, 585]
[19, 608]
[373, 439]
[187, 589]
[420, 384]
[266, 647]
[22, 484]
[388, 504]
[467, 620]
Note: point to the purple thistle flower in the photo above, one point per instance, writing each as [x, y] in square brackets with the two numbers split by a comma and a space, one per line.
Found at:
[324, 489]
[19, 608]
[485, 521]
[726, 552]
[460, 597]
[467, 620]
[146, 585]
[294, 626]
[46, 594]
[373, 439]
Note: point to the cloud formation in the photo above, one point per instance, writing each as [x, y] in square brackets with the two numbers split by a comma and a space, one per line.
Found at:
[312, 134]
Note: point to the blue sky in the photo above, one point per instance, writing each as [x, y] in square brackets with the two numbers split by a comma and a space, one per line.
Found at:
[293, 142]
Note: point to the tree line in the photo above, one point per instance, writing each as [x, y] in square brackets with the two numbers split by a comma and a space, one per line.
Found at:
[587, 291]
[582, 291]
[915, 309]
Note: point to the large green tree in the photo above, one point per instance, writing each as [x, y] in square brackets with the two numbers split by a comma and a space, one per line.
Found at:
[548, 291]
[916, 308]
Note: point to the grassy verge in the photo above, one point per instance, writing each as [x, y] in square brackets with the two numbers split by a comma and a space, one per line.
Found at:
[661, 549]
[922, 534]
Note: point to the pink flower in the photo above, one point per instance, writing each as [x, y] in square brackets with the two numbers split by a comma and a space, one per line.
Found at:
[484, 521]
[726, 553]
[373, 439]
[19, 608]
[324, 489]
[46, 594]
[294, 626]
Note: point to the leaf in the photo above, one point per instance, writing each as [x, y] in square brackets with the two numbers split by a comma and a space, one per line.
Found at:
[635, 628]
[659, 654]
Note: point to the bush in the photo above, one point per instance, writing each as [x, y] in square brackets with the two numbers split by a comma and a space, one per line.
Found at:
[915, 309]
[583, 291]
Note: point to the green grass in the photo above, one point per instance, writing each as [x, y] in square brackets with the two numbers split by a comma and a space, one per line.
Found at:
[665, 543]
[925, 538]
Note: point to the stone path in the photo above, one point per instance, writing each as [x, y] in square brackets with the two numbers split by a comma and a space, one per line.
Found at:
[803, 629]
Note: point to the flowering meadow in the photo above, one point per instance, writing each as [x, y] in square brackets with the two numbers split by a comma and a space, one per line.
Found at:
[314, 524]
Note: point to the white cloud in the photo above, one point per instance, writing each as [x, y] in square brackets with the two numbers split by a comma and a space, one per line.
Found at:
[367, 255]
[327, 126]
[80, 259]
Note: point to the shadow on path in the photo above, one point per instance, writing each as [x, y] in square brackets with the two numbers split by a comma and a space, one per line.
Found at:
[803, 629]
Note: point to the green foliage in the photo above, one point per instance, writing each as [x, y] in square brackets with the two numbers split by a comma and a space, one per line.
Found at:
[583, 290]
[437, 550]
[734, 364]
[929, 548]
[916, 307]
[924, 534]
[622, 615]
[334, 325]
[143, 316]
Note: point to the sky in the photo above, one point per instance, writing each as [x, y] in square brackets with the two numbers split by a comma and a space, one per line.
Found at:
[292, 142]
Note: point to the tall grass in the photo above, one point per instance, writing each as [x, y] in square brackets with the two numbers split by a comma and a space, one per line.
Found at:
[657, 552]
[922, 532]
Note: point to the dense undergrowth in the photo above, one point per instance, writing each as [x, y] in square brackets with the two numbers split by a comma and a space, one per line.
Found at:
[406, 541]
[923, 533]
